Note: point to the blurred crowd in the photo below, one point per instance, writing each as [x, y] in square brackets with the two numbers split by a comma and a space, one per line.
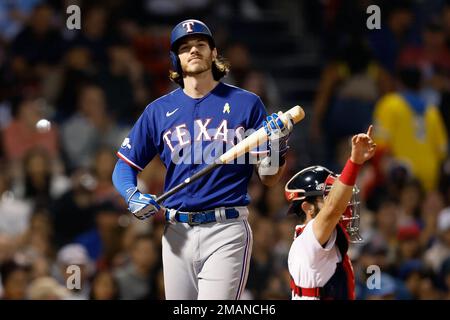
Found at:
[58, 206]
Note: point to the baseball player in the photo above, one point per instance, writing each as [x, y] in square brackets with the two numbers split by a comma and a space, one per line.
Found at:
[328, 207]
[207, 241]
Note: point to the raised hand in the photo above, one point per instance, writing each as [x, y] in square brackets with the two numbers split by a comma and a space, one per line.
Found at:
[363, 147]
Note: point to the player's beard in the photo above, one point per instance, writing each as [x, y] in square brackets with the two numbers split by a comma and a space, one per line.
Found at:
[198, 68]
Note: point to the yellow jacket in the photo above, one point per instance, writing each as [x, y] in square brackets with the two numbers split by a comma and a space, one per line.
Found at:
[419, 140]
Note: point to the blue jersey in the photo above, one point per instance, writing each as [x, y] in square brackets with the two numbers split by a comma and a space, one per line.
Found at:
[188, 134]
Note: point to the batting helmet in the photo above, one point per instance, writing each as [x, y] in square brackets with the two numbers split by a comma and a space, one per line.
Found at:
[183, 29]
[317, 181]
[308, 183]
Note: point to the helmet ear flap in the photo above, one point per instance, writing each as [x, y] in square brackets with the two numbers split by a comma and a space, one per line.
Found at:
[176, 65]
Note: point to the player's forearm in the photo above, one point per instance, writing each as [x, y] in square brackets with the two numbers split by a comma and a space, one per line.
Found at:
[124, 179]
[335, 203]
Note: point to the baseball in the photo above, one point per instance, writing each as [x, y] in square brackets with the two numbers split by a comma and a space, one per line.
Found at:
[43, 125]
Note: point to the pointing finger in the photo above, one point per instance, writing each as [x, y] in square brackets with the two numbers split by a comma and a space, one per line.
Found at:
[369, 131]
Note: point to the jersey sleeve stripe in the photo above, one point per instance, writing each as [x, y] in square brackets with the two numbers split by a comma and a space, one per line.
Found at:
[129, 162]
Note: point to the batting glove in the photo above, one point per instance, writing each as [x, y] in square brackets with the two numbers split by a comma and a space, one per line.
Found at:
[142, 206]
[278, 132]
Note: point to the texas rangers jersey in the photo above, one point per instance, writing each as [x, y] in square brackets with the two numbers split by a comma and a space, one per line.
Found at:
[188, 134]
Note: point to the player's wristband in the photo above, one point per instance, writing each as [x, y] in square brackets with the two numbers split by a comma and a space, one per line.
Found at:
[349, 173]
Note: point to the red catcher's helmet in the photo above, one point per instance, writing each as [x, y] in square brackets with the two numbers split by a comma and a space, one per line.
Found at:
[317, 181]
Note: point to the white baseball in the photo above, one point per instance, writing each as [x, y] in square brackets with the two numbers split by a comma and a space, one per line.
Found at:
[43, 125]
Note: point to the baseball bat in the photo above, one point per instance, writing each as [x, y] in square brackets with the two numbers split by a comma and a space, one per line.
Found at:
[256, 138]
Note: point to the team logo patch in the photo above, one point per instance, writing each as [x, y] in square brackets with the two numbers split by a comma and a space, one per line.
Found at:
[291, 195]
[126, 143]
[188, 26]
[320, 186]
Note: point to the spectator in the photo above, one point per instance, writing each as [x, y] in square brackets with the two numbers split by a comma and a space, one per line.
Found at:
[276, 206]
[47, 288]
[93, 33]
[93, 127]
[263, 86]
[136, 279]
[238, 56]
[411, 130]
[103, 242]
[41, 183]
[40, 35]
[350, 84]
[40, 267]
[428, 290]
[151, 50]
[74, 255]
[432, 58]
[411, 273]
[385, 227]
[440, 250]
[125, 82]
[22, 135]
[8, 247]
[411, 198]
[262, 260]
[104, 287]
[445, 277]
[14, 212]
[409, 247]
[73, 213]
[284, 242]
[432, 205]
[244, 74]
[394, 34]
[103, 167]
[446, 22]
[14, 279]
[13, 16]
[77, 71]
[386, 291]
[372, 254]
[37, 241]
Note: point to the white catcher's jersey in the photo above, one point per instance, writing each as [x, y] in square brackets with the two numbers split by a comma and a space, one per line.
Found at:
[310, 264]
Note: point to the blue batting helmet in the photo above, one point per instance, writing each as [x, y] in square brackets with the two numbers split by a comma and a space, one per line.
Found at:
[182, 30]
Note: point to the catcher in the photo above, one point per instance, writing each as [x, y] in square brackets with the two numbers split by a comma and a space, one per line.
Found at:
[328, 207]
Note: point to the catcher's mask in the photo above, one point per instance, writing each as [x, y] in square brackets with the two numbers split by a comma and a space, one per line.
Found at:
[317, 181]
